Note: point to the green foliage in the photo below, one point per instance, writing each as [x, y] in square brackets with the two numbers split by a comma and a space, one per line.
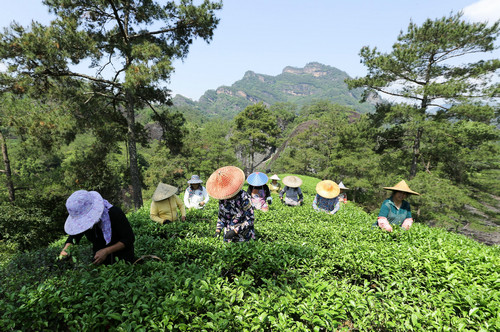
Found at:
[306, 271]
[422, 68]
[26, 228]
[255, 130]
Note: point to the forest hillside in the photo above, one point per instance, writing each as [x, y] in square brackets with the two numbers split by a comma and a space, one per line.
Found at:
[306, 271]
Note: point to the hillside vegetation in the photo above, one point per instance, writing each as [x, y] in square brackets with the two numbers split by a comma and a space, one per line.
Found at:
[306, 271]
[300, 86]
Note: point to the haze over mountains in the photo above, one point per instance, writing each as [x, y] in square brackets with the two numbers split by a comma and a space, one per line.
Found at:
[301, 86]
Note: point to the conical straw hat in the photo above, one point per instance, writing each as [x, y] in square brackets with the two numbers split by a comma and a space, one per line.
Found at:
[275, 177]
[292, 181]
[163, 191]
[327, 189]
[225, 182]
[342, 186]
[257, 179]
[402, 186]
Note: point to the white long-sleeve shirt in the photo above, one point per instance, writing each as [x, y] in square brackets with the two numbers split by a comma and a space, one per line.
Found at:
[199, 195]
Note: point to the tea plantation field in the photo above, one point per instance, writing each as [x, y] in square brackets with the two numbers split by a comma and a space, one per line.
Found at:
[306, 272]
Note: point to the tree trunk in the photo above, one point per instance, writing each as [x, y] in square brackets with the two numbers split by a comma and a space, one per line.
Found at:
[132, 149]
[8, 173]
[416, 152]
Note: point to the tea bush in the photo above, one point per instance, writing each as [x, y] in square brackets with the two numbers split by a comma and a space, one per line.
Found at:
[306, 271]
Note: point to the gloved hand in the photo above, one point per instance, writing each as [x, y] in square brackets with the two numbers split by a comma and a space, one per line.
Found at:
[230, 234]
[384, 224]
[407, 223]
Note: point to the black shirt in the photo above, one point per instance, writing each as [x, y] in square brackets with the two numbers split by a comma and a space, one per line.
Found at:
[120, 232]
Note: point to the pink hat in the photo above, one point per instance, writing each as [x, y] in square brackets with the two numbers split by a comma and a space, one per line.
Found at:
[225, 182]
[85, 209]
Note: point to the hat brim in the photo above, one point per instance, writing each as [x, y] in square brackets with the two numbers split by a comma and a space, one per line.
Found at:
[327, 189]
[292, 181]
[195, 181]
[257, 179]
[225, 182]
[408, 191]
[77, 225]
[163, 191]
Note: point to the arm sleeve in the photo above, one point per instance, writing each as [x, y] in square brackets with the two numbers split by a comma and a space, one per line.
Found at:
[301, 196]
[283, 191]
[384, 210]
[154, 214]
[267, 191]
[121, 227]
[74, 239]
[408, 209]
[186, 199]
[337, 206]
[315, 203]
[220, 218]
[180, 205]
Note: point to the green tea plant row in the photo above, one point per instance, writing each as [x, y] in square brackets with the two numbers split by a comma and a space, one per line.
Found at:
[306, 271]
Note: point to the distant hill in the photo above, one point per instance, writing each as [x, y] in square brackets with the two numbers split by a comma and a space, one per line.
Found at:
[297, 85]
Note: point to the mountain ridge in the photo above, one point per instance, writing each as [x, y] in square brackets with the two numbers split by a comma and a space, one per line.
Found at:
[313, 82]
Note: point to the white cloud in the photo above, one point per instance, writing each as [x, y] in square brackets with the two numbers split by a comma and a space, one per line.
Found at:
[483, 10]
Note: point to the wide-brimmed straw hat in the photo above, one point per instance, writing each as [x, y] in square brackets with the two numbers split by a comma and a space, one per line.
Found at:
[327, 189]
[341, 185]
[275, 177]
[402, 186]
[85, 209]
[195, 179]
[292, 181]
[257, 179]
[225, 182]
[163, 191]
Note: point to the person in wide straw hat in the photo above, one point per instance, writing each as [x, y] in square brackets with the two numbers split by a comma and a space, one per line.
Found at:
[195, 196]
[259, 192]
[275, 186]
[291, 191]
[165, 203]
[395, 210]
[236, 215]
[103, 224]
[327, 199]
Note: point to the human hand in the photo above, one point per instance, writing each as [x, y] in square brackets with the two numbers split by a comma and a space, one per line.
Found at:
[100, 256]
[230, 234]
[183, 218]
[217, 234]
[384, 224]
[407, 224]
[202, 203]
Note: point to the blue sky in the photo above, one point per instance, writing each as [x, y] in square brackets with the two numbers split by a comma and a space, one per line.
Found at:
[265, 36]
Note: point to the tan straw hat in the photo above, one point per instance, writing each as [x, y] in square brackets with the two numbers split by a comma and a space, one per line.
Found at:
[225, 182]
[163, 191]
[292, 181]
[402, 186]
[327, 189]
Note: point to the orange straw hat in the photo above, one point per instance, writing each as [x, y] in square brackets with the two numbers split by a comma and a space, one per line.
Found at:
[402, 186]
[292, 181]
[327, 189]
[225, 182]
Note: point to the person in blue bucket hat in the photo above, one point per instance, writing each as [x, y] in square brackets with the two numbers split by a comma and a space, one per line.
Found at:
[258, 191]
